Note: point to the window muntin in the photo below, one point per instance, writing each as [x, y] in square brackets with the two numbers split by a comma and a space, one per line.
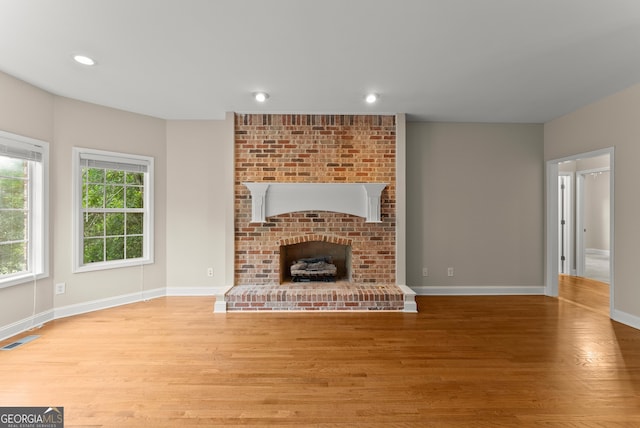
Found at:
[23, 200]
[115, 216]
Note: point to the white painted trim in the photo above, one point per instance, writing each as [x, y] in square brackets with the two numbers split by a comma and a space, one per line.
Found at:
[569, 222]
[76, 216]
[579, 224]
[551, 225]
[39, 213]
[401, 199]
[410, 305]
[227, 193]
[612, 226]
[109, 302]
[220, 305]
[481, 290]
[30, 323]
[271, 199]
[625, 318]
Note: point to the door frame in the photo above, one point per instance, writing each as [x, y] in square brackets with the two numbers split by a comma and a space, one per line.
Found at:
[569, 221]
[552, 219]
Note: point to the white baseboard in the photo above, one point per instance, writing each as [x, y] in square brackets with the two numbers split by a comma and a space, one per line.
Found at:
[483, 290]
[26, 324]
[625, 318]
[109, 302]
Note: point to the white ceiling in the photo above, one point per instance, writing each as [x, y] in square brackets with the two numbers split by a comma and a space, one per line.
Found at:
[444, 60]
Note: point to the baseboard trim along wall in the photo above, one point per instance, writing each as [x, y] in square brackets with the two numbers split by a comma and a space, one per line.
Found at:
[109, 302]
[38, 320]
[481, 290]
[625, 318]
[27, 324]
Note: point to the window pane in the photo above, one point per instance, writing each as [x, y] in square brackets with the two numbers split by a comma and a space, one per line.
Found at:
[13, 225]
[14, 258]
[10, 167]
[93, 224]
[115, 248]
[93, 175]
[136, 178]
[134, 223]
[93, 250]
[13, 193]
[134, 247]
[115, 177]
[93, 196]
[115, 224]
[135, 197]
[114, 197]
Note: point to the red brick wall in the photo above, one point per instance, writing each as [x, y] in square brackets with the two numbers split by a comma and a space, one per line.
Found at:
[315, 149]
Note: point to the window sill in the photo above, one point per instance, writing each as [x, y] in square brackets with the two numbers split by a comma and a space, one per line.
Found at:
[111, 265]
[21, 279]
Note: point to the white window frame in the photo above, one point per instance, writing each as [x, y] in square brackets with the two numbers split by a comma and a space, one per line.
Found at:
[38, 228]
[107, 156]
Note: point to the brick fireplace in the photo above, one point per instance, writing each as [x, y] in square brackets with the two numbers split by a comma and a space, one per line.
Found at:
[315, 149]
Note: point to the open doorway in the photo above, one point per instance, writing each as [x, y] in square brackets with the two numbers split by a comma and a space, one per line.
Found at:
[580, 229]
[593, 211]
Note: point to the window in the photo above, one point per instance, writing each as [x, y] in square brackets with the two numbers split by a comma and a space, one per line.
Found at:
[113, 209]
[23, 209]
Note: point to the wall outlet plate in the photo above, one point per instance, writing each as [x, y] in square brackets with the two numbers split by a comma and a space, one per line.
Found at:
[60, 288]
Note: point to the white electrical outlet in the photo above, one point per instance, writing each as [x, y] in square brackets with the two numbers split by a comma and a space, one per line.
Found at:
[425, 271]
[60, 288]
[210, 271]
[450, 271]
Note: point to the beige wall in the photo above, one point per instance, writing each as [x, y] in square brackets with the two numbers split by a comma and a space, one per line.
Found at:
[610, 122]
[28, 111]
[199, 193]
[80, 124]
[197, 156]
[475, 198]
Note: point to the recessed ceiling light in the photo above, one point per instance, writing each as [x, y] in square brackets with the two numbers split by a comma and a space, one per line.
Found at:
[371, 98]
[84, 60]
[260, 96]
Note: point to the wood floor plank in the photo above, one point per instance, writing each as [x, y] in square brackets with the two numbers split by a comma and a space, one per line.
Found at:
[495, 361]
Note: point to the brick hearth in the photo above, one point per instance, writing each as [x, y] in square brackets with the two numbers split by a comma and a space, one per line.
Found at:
[318, 297]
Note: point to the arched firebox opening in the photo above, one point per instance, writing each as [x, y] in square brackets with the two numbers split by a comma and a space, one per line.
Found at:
[325, 261]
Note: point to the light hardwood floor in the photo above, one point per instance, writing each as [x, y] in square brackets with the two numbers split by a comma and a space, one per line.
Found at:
[587, 293]
[522, 361]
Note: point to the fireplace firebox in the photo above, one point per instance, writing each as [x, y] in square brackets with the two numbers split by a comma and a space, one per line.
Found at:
[337, 259]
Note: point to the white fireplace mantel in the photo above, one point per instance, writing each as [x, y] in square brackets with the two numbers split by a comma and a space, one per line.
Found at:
[360, 199]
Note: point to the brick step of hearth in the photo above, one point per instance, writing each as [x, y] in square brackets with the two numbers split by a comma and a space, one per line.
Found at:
[315, 296]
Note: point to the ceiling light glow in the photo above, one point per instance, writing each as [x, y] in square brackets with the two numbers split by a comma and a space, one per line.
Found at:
[371, 98]
[84, 60]
[260, 96]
